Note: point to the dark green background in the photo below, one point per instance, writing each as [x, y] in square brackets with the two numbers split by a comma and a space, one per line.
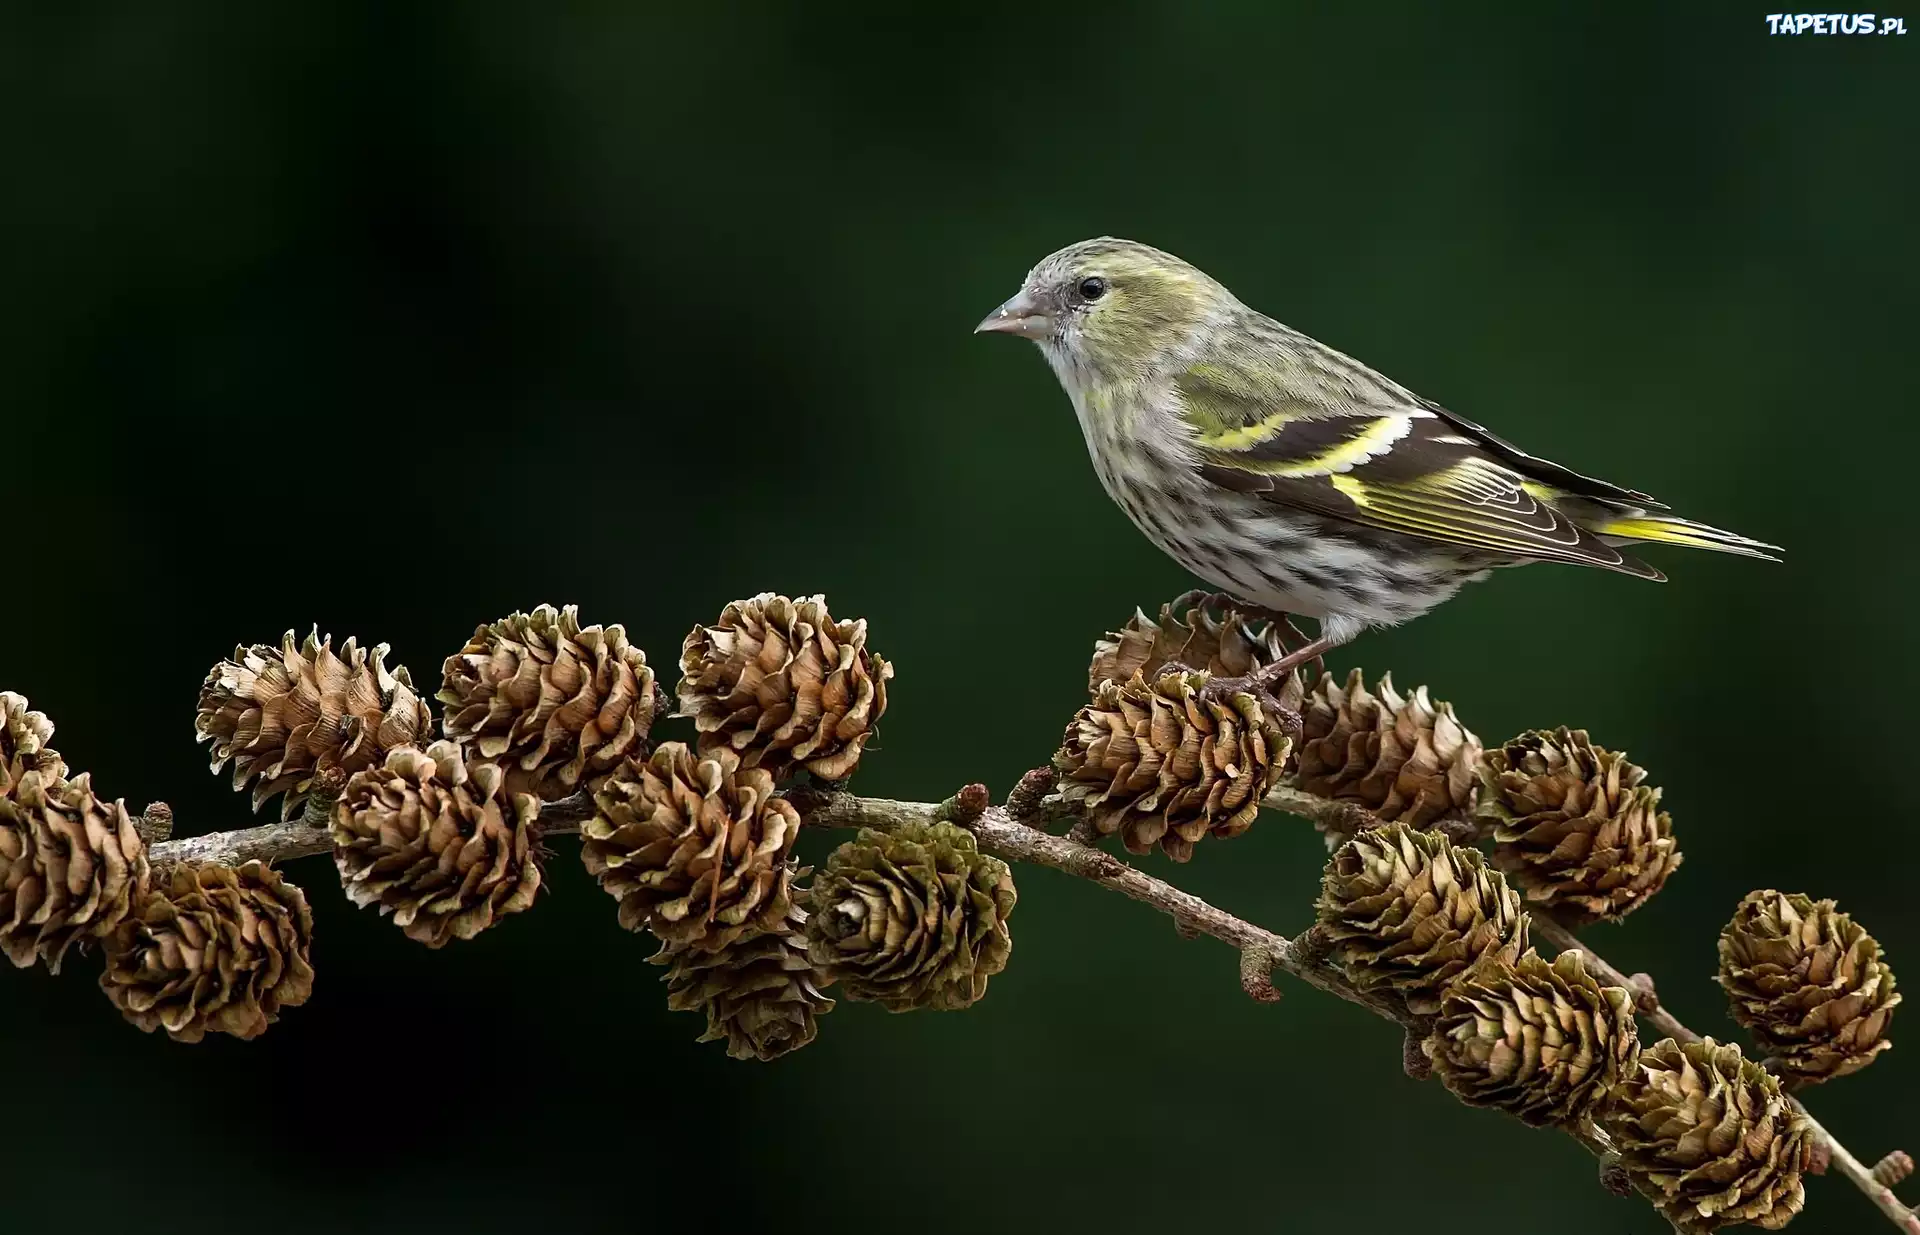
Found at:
[394, 318]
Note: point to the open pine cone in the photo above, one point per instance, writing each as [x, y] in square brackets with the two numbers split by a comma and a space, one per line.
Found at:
[437, 842]
[783, 685]
[1158, 762]
[1404, 758]
[760, 993]
[912, 918]
[1574, 827]
[1544, 1042]
[24, 743]
[1709, 1137]
[1406, 913]
[1203, 631]
[282, 715]
[1808, 983]
[559, 704]
[695, 847]
[213, 950]
[71, 867]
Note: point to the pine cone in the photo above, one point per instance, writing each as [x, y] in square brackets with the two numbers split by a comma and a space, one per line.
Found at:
[24, 738]
[71, 867]
[760, 993]
[695, 847]
[783, 685]
[1709, 1137]
[1407, 913]
[1574, 827]
[913, 918]
[561, 705]
[282, 715]
[1808, 983]
[214, 950]
[1203, 631]
[1404, 758]
[1542, 1042]
[438, 843]
[1158, 761]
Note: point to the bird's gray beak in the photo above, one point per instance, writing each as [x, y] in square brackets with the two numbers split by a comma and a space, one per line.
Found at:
[1023, 315]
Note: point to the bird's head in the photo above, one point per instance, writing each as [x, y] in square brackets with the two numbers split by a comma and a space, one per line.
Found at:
[1115, 307]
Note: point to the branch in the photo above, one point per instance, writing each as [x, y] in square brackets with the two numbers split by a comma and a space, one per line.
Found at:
[997, 831]
[308, 835]
[1858, 1173]
[1335, 818]
[1000, 833]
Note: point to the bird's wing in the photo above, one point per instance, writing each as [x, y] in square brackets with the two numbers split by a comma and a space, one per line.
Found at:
[1564, 479]
[1378, 461]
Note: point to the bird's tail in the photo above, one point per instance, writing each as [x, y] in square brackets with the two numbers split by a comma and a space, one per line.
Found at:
[1661, 530]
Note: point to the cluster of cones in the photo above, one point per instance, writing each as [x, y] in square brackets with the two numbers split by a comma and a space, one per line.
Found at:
[189, 947]
[438, 824]
[1158, 758]
[1706, 1133]
[1428, 925]
[696, 842]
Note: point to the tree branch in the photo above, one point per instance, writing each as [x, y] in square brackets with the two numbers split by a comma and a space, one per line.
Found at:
[1335, 818]
[1000, 833]
[1858, 1173]
[308, 835]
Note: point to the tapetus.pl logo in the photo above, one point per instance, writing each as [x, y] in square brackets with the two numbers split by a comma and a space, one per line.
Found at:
[1834, 23]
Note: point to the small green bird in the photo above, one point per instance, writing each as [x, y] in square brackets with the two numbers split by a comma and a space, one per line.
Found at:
[1290, 474]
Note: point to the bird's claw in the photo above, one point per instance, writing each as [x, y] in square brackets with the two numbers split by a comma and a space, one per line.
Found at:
[1283, 703]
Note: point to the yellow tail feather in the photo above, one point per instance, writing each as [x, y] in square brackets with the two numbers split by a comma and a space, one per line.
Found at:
[1653, 529]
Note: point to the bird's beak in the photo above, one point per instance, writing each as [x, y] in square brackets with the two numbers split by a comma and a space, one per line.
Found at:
[1023, 315]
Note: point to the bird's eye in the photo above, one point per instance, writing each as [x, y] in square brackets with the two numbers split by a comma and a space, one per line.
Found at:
[1092, 288]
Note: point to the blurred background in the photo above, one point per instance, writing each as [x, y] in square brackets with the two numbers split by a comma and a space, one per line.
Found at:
[393, 318]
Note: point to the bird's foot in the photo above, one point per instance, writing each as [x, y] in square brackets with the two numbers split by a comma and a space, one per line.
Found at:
[1279, 693]
[1292, 638]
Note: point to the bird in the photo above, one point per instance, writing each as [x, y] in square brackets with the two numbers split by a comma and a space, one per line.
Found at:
[1290, 475]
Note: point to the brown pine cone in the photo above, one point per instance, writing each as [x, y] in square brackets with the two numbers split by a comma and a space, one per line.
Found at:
[283, 715]
[212, 950]
[1574, 827]
[437, 842]
[71, 867]
[1709, 1137]
[1406, 913]
[760, 993]
[1808, 983]
[1160, 762]
[24, 738]
[1404, 758]
[784, 686]
[559, 704]
[1541, 1042]
[1203, 631]
[912, 918]
[695, 847]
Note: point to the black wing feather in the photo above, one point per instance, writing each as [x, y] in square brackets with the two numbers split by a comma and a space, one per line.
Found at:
[1544, 470]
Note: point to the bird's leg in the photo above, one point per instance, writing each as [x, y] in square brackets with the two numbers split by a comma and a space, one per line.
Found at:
[1314, 650]
[1284, 623]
